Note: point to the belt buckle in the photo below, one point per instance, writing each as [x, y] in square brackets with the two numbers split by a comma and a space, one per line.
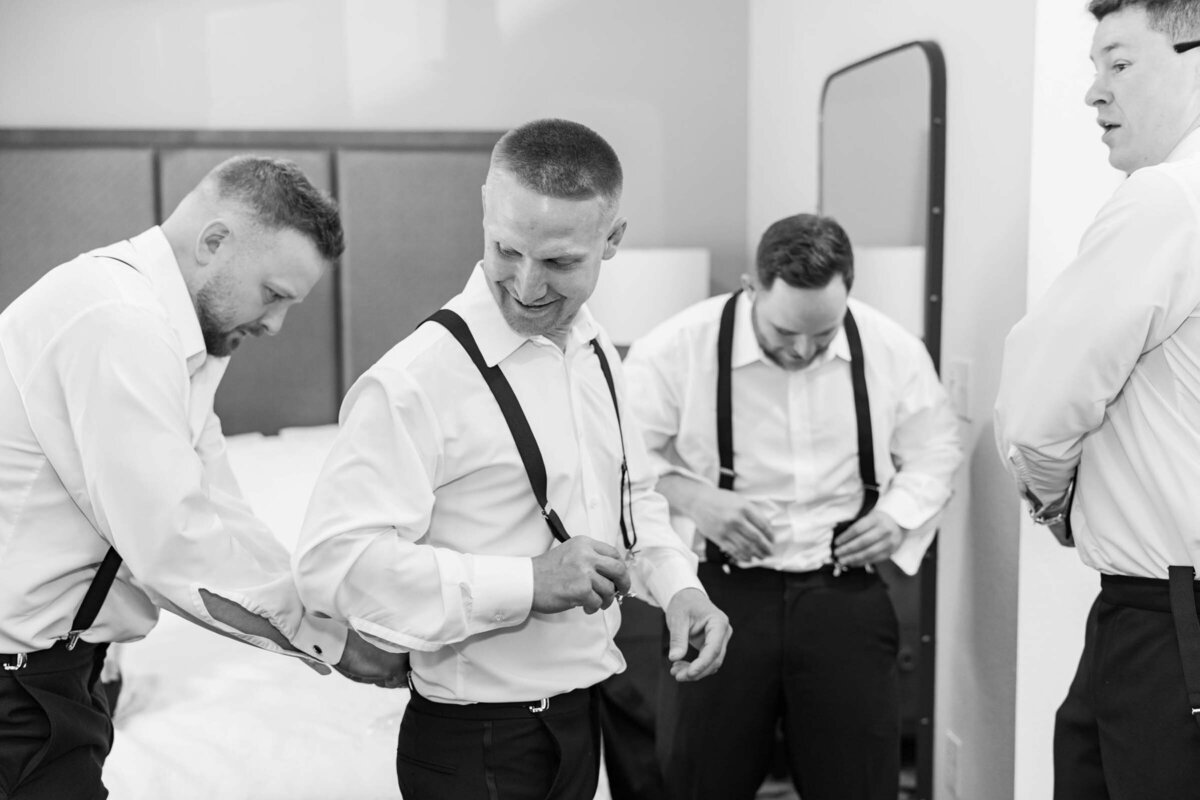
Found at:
[539, 706]
[22, 662]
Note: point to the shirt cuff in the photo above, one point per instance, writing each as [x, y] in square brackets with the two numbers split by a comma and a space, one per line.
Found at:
[903, 508]
[501, 591]
[665, 572]
[322, 639]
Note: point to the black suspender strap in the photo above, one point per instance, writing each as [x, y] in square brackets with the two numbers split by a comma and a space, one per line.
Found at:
[522, 434]
[726, 475]
[1182, 586]
[628, 533]
[93, 599]
[862, 417]
[102, 582]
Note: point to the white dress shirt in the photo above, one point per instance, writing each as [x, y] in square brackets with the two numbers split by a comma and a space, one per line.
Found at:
[423, 525]
[108, 437]
[1103, 375]
[794, 432]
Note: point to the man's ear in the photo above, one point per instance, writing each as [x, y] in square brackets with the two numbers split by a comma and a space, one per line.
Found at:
[211, 237]
[614, 238]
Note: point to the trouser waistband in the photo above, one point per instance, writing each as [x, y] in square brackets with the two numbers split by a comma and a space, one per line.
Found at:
[761, 576]
[1148, 594]
[574, 701]
[56, 659]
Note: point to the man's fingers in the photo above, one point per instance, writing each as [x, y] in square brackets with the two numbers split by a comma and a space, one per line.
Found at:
[604, 589]
[760, 522]
[862, 540]
[614, 569]
[712, 652]
[597, 546]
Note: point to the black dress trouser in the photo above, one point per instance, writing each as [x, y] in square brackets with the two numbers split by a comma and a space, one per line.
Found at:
[55, 726]
[500, 751]
[814, 651]
[1125, 730]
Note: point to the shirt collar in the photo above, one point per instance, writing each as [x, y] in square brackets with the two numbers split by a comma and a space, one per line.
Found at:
[745, 343]
[150, 254]
[1188, 147]
[496, 340]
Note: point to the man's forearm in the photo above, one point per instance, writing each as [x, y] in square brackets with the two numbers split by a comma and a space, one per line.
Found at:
[682, 493]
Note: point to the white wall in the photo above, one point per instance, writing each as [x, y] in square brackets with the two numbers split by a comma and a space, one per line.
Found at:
[989, 60]
[1071, 179]
[665, 82]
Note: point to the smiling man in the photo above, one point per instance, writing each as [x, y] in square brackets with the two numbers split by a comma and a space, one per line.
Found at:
[806, 438]
[116, 496]
[488, 498]
[1098, 417]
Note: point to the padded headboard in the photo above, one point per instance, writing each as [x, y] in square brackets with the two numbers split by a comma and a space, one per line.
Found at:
[410, 206]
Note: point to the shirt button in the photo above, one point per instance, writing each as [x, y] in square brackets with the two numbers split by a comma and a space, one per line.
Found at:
[498, 618]
[317, 649]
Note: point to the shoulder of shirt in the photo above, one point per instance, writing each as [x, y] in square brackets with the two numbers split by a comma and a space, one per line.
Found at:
[1145, 186]
[692, 324]
[879, 330]
[87, 283]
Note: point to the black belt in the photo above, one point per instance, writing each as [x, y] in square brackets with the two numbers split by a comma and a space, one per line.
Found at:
[862, 417]
[574, 701]
[1178, 595]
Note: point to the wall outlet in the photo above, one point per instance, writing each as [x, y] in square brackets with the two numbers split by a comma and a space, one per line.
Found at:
[953, 767]
[957, 379]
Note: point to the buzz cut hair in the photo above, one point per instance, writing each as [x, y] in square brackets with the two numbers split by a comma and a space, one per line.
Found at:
[560, 158]
[1178, 19]
[278, 195]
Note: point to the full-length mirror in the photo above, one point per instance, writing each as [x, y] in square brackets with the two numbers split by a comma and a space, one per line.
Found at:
[882, 158]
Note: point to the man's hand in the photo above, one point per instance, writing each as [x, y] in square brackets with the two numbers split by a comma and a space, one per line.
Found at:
[363, 662]
[693, 619]
[872, 539]
[736, 524]
[579, 572]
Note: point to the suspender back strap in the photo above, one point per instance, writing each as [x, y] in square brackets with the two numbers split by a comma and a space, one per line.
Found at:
[1187, 631]
[102, 582]
[94, 598]
[862, 415]
[522, 434]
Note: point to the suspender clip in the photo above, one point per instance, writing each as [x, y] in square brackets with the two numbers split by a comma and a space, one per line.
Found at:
[539, 706]
[21, 661]
[72, 638]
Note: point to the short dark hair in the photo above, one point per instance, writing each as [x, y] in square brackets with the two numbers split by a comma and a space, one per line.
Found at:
[1178, 19]
[279, 195]
[806, 251]
[560, 158]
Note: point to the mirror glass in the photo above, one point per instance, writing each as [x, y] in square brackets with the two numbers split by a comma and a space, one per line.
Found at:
[881, 176]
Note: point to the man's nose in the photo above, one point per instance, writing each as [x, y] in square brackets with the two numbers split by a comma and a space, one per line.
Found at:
[1097, 94]
[804, 346]
[272, 321]
[528, 281]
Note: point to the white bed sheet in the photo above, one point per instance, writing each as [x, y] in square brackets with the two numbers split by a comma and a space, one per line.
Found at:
[201, 716]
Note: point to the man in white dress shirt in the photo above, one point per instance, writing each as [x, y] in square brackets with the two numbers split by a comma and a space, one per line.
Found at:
[805, 437]
[116, 497]
[424, 533]
[1098, 417]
